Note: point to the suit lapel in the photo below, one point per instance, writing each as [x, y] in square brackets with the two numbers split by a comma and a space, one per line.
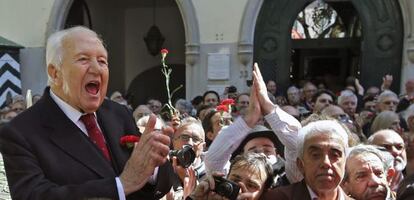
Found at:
[70, 139]
[300, 192]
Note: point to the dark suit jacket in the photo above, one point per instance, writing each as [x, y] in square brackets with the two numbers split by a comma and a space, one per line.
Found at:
[296, 191]
[47, 156]
[406, 188]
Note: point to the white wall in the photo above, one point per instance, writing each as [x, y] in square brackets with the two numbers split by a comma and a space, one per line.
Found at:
[219, 20]
[24, 21]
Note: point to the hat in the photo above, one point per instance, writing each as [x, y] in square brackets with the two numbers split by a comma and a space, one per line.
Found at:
[259, 131]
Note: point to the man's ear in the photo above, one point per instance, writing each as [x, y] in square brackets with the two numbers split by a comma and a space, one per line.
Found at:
[390, 175]
[300, 165]
[53, 72]
[210, 135]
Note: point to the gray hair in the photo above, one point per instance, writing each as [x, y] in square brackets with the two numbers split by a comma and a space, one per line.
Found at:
[292, 89]
[383, 120]
[346, 94]
[386, 93]
[364, 149]
[409, 112]
[195, 125]
[185, 105]
[329, 127]
[54, 50]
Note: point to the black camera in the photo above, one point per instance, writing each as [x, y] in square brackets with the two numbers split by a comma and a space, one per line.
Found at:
[185, 156]
[226, 188]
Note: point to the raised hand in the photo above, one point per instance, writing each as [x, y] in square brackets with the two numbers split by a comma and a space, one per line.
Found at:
[266, 105]
[253, 111]
[190, 182]
[386, 82]
[150, 152]
[359, 88]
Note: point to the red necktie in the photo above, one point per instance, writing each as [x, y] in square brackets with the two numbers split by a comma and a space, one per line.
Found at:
[95, 133]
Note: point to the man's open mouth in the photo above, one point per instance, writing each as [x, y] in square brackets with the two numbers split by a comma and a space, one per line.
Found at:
[92, 87]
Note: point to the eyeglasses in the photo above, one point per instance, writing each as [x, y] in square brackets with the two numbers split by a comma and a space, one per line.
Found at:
[390, 102]
[186, 138]
[267, 150]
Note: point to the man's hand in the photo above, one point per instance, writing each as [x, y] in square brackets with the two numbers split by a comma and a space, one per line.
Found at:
[150, 152]
[253, 111]
[359, 88]
[190, 182]
[245, 194]
[266, 105]
[386, 82]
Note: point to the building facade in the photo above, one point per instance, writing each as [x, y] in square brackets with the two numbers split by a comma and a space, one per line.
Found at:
[214, 43]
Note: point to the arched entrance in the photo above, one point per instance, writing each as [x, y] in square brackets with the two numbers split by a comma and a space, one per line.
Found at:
[151, 84]
[110, 18]
[380, 47]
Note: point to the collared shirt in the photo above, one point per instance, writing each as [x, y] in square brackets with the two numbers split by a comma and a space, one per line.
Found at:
[341, 194]
[74, 115]
[286, 128]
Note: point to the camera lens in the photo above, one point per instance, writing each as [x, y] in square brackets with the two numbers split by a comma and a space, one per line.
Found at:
[224, 188]
[185, 156]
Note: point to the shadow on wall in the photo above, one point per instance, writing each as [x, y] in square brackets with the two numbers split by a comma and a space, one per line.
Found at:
[151, 84]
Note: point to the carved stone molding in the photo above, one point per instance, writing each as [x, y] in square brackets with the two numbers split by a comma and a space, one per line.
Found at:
[192, 54]
[410, 55]
[245, 53]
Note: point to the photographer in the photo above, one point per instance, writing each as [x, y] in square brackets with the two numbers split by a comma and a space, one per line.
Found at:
[250, 175]
[189, 139]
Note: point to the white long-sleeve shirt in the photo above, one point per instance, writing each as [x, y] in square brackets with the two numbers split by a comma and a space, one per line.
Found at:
[285, 127]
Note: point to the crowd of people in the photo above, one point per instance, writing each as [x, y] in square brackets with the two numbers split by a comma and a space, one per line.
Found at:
[303, 143]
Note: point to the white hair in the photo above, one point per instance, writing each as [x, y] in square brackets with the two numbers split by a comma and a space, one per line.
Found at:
[409, 112]
[292, 89]
[386, 93]
[328, 127]
[54, 50]
[194, 124]
[364, 150]
[346, 94]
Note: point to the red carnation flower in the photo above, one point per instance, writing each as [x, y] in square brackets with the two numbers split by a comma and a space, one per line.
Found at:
[129, 140]
[227, 102]
[222, 108]
[164, 51]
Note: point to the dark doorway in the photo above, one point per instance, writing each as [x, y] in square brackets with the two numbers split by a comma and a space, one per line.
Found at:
[370, 47]
[79, 15]
[151, 84]
[325, 62]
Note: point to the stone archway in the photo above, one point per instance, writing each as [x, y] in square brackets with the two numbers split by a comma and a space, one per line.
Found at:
[57, 19]
[61, 9]
[381, 48]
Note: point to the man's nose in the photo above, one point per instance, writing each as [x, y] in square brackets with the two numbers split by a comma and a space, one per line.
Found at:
[94, 66]
[374, 181]
[326, 162]
[395, 152]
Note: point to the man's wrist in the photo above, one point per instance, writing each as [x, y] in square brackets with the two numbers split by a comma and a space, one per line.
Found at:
[269, 108]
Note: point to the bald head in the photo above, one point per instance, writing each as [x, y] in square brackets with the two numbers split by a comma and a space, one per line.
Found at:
[291, 111]
[384, 134]
[394, 144]
[333, 111]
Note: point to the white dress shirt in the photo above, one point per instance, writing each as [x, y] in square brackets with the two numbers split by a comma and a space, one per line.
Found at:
[285, 127]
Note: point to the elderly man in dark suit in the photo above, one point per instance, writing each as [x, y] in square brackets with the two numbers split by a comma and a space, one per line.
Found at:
[67, 146]
[321, 159]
